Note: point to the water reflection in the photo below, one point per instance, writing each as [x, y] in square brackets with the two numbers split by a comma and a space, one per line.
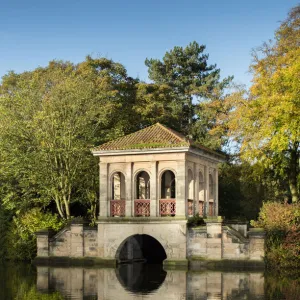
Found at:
[141, 278]
[140, 281]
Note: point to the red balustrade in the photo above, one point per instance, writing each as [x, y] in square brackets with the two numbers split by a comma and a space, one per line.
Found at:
[117, 208]
[142, 207]
[167, 207]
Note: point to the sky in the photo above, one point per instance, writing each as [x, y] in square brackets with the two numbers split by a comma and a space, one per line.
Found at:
[128, 31]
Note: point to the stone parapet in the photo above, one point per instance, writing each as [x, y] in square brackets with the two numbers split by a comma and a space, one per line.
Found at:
[77, 245]
[257, 243]
[42, 239]
[214, 241]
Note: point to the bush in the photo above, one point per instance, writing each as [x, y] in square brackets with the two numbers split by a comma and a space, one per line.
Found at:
[4, 225]
[21, 239]
[282, 224]
[195, 221]
[278, 216]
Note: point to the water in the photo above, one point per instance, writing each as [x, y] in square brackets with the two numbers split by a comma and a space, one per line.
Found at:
[140, 281]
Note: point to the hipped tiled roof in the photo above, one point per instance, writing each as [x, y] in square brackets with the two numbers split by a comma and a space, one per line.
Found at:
[155, 136]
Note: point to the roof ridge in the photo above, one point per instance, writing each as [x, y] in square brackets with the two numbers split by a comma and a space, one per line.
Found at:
[172, 131]
[155, 134]
[128, 135]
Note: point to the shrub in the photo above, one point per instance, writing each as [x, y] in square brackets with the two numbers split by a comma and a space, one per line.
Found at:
[278, 216]
[195, 221]
[4, 225]
[21, 239]
[282, 224]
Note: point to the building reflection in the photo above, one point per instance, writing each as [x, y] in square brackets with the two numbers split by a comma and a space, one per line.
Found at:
[138, 281]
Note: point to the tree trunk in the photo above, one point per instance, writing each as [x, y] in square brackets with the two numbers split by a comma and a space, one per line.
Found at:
[60, 211]
[293, 175]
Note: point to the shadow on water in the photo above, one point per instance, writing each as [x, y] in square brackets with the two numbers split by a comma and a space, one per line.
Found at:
[140, 277]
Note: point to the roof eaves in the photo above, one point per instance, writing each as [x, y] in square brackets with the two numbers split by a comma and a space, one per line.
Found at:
[203, 148]
[139, 151]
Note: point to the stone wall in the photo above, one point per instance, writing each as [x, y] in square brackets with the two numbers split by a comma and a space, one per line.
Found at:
[216, 241]
[73, 241]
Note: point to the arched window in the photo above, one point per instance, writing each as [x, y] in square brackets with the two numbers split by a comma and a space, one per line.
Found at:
[142, 185]
[190, 193]
[168, 188]
[201, 186]
[211, 187]
[117, 203]
[142, 200]
[118, 186]
[167, 202]
[191, 184]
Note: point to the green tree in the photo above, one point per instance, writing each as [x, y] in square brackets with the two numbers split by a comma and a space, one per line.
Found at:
[49, 120]
[267, 123]
[191, 80]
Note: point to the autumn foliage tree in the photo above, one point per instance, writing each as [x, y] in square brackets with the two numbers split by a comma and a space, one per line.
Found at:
[266, 123]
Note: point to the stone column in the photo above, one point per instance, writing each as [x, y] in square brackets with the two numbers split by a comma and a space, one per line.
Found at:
[196, 189]
[133, 190]
[206, 192]
[256, 244]
[42, 241]
[77, 244]
[216, 192]
[103, 189]
[129, 192]
[153, 190]
[214, 239]
[181, 186]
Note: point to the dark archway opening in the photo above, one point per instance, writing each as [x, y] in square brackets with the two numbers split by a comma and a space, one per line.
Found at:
[143, 248]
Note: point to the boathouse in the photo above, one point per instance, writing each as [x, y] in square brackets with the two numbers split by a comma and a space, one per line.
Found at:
[151, 182]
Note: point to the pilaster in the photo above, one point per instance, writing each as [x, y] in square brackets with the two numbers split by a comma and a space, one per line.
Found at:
[216, 192]
[181, 189]
[77, 243]
[129, 191]
[103, 190]
[153, 190]
[206, 192]
[196, 189]
[256, 244]
[42, 241]
[214, 239]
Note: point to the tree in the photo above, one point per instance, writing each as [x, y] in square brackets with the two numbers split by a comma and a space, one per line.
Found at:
[191, 80]
[49, 120]
[267, 123]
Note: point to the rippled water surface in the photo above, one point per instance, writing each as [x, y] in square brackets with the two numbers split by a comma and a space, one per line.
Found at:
[140, 281]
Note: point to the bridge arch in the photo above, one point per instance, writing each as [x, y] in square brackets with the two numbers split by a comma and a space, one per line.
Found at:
[140, 247]
[170, 235]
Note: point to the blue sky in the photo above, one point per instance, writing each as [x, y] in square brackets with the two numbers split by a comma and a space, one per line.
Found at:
[34, 32]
